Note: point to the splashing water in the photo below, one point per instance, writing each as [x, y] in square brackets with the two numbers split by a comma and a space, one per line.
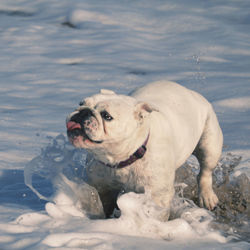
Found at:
[63, 166]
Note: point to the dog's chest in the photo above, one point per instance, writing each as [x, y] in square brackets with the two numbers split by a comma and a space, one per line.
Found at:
[132, 178]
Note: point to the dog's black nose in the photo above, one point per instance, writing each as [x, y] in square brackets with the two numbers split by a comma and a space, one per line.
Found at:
[81, 116]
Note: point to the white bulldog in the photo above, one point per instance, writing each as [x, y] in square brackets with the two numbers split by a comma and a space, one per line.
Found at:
[137, 142]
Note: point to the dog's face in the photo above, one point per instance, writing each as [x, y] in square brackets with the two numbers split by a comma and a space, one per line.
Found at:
[105, 122]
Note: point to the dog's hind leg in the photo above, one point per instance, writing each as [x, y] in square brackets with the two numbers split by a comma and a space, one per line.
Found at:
[208, 152]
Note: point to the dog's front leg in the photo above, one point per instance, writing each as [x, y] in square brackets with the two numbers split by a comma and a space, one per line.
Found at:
[162, 190]
[108, 198]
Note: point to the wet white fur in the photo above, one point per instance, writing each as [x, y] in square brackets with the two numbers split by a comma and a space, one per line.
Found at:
[180, 122]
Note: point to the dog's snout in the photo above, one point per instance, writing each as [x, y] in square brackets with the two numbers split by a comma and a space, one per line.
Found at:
[81, 116]
[83, 124]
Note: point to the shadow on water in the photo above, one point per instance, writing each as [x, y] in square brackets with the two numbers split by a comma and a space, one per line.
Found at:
[19, 13]
[13, 190]
[232, 214]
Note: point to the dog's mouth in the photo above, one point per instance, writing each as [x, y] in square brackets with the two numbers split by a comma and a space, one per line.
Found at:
[80, 125]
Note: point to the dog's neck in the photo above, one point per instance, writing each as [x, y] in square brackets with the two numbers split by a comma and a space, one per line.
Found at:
[138, 154]
[113, 153]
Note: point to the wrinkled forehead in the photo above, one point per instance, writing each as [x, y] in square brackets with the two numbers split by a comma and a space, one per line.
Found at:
[109, 100]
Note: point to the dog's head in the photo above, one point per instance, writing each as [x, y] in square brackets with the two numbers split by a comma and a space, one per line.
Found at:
[107, 123]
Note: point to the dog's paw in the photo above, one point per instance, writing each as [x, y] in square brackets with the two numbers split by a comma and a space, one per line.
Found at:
[208, 199]
[141, 208]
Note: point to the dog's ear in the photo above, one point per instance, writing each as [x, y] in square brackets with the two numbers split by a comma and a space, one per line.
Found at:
[143, 109]
[107, 92]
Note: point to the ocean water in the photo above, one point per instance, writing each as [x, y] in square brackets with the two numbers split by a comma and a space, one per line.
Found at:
[54, 53]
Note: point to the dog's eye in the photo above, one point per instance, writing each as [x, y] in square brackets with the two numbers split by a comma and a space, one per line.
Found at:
[106, 116]
[81, 103]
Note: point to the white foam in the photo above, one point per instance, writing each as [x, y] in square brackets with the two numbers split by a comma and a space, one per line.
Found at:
[64, 223]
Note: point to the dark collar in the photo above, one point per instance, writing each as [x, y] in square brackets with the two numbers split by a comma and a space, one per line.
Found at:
[138, 154]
